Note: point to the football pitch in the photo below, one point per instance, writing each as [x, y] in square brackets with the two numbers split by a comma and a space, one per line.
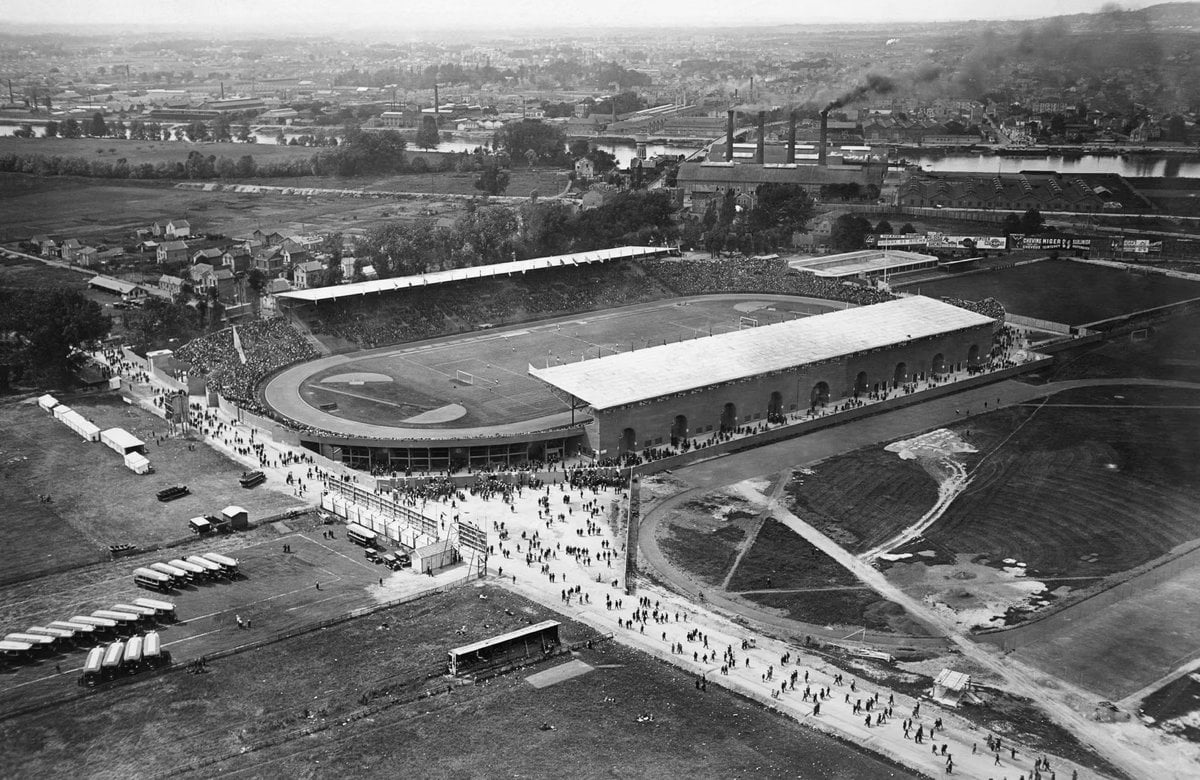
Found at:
[481, 379]
[1065, 291]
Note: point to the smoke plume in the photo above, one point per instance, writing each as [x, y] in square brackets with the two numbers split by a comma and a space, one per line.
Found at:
[874, 83]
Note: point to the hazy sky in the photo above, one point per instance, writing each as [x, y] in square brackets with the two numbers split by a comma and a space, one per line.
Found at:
[265, 16]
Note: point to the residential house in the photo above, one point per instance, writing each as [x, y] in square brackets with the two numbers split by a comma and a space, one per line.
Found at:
[172, 285]
[269, 238]
[237, 259]
[211, 256]
[222, 282]
[68, 249]
[597, 195]
[585, 168]
[347, 268]
[273, 288]
[46, 246]
[308, 274]
[87, 257]
[197, 272]
[269, 260]
[178, 228]
[172, 252]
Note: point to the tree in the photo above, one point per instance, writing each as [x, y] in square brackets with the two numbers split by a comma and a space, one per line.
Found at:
[98, 127]
[907, 228]
[604, 161]
[52, 322]
[51, 129]
[779, 211]
[246, 168]
[849, 232]
[71, 129]
[256, 280]
[427, 134]
[547, 142]
[1011, 224]
[492, 180]
[579, 148]
[1031, 222]
[884, 227]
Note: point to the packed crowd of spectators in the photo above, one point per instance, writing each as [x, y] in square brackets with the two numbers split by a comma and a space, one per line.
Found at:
[988, 307]
[415, 314]
[268, 345]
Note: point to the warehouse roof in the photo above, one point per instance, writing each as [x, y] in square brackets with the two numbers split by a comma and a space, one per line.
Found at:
[476, 272]
[703, 362]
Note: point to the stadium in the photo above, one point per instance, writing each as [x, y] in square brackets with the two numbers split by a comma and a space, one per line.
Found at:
[638, 351]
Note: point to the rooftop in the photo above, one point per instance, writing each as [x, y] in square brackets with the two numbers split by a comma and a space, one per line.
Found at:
[641, 375]
[866, 261]
[478, 272]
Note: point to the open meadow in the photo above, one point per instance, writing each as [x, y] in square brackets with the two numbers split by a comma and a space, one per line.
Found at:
[1065, 291]
[351, 701]
[95, 500]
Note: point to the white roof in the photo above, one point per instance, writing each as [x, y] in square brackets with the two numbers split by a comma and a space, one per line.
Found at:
[501, 639]
[674, 368]
[860, 262]
[122, 438]
[477, 272]
[233, 510]
[951, 680]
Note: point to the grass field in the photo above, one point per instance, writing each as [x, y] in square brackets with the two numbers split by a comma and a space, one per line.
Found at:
[547, 181]
[96, 500]
[1065, 291]
[703, 536]
[1087, 486]
[109, 211]
[1171, 351]
[785, 572]
[413, 380]
[356, 689]
[153, 152]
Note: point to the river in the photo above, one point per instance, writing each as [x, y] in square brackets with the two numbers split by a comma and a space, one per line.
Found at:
[1148, 165]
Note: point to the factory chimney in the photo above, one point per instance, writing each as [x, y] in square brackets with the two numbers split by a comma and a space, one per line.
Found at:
[222, 90]
[729, 135]
[436, 103]
[823, 139]
[791, 149]
[760, 154]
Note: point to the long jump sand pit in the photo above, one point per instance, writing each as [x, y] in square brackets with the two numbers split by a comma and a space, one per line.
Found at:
[560, 673]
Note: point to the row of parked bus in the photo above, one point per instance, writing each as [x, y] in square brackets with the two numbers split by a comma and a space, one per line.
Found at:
[185, 571]
[124, 657]
[100, 626]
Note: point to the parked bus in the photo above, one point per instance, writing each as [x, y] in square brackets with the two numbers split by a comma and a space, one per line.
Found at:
[360, 534]
[61, 636]
[103, 626]
[165, 609]
[82, 630]
[113, 655]
[212, 568]
[92, 667]
[152, 579]
[12, 650]
[197, 572]
[227, 564]
[251, 479]
[124, 620]
[176, 574]
[37, 642]
[153, 652]
[147, 615]
[133, 655]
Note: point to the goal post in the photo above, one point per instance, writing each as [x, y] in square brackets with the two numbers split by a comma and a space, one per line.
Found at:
[747, 322]
[463, 378]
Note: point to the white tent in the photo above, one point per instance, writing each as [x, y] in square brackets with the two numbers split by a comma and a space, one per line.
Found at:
[122, 441]
[138, 463]
[60, 410]
[81, 425]
[47, 402]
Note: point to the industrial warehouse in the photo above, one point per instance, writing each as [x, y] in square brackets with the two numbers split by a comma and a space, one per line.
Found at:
[677, 392]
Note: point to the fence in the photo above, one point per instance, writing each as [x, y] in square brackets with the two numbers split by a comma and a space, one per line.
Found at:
[1033, 322]
[385, 507]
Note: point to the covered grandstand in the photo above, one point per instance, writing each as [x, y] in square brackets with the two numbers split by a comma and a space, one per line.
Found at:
[690, 388]
[864, 264]
[359, 289]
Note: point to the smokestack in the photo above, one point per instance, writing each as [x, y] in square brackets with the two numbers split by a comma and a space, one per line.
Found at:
[760, 151]
[436, 103]
[823, 139]
[11, 99]
[614, 109]
[791, 153]
[729, 135]
[222, 90]
[752, 88]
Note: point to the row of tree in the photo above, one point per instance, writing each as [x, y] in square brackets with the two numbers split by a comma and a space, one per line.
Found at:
[490, 234]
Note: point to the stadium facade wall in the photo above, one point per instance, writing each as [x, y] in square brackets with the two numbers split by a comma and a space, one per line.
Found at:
[701, 413]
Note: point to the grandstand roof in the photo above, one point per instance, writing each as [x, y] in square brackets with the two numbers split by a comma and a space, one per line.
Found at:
[478, 272]
[865, 261]
[707, 361]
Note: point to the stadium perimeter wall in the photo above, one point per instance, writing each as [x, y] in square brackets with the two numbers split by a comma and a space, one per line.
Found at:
[800, 429]
[703, 409]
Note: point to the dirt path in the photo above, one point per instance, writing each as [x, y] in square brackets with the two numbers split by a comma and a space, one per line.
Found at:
[779, 483]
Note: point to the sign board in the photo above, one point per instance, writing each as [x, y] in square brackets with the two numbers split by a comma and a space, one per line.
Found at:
[472, 537]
